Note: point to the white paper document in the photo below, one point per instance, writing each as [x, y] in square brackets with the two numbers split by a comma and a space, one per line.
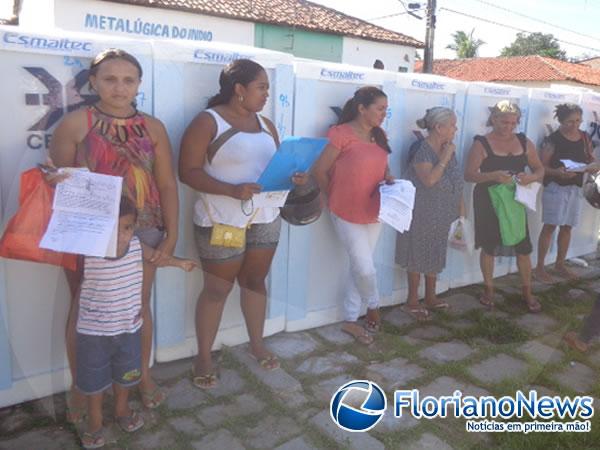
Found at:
[85, 215]
[573, 166]
[397, 203]
[527, 195]
[270, 199]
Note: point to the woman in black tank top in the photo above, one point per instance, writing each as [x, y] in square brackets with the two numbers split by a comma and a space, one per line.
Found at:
[562, 199]
[493, 159]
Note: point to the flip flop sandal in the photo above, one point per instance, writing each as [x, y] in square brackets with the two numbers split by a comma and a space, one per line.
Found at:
[93, 440]
[486, 301]
[208, 381]
[534, 306]
[573, 341]
[417, 312]
[130, 423]
[372, 326]
[75, 414]
[268, 363]
[154, 399]
[437, 305]
[363, 338]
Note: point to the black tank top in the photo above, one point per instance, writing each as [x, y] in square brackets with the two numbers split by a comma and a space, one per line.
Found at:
[511, 163]
[566, 149]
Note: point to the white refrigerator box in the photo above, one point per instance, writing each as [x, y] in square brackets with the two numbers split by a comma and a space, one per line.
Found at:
[186, 75]
[44, 76]
[480, 98]
[317, 262]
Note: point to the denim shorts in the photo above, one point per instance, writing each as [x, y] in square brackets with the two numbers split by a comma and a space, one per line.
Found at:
[259, 235]
[104, 360]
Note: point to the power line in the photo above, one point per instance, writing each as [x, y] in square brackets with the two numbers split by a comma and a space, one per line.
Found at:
[514, 28]
[516, 13]
[396, 14]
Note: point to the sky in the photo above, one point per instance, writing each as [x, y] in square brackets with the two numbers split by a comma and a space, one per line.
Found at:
[572, 21]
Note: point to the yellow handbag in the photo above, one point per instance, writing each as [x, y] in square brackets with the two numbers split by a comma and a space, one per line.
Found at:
[223, 235]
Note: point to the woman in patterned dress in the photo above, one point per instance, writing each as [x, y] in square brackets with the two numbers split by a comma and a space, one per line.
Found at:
[438, 180]
[112, 137]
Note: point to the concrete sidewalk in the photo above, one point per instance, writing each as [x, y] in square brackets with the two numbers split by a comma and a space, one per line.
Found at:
[467, 347]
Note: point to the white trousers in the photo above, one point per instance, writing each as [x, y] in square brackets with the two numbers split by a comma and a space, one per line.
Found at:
[359, 241]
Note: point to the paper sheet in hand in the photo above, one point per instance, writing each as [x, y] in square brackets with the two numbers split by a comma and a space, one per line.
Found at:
[573, 166]
[295, 154]
[527, 195]
[85, 215]
[270, 199]
[397, 203]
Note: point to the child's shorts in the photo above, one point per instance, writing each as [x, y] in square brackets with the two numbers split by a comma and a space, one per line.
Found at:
[103, 360]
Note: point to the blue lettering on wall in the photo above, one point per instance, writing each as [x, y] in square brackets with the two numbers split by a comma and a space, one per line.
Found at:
[431, 85]
[344, 75]
[44, 43]
[218, 57]
[496, 91]
[141, 27]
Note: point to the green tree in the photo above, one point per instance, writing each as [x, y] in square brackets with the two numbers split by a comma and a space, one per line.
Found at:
[535, 44]
[465, 45]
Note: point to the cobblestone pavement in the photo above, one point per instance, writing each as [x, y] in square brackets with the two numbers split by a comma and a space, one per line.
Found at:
[469, 348]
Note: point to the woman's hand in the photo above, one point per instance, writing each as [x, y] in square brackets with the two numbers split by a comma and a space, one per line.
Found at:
[565, 174]
[389, 179]
[245, 191]
[502, 176]
[448, 149]
[300, 178]
[51, 174]
[163, 252]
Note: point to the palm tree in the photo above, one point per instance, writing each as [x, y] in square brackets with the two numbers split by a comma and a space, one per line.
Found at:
[465, 45]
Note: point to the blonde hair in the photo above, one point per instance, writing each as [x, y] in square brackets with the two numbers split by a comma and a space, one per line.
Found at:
[503, 107]
[434, 116]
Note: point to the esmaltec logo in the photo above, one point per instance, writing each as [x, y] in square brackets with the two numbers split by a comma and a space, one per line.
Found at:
[219, 57]
[45, 43]
[342, 75]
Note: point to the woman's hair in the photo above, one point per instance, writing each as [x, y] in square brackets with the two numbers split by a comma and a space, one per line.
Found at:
[365, 96]
[127, 207]
[435, 116]
[564, 110]
[113, 53]
[240, 71]
[503, 107]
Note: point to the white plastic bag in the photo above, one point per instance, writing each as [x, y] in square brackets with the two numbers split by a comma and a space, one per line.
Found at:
[460, 236]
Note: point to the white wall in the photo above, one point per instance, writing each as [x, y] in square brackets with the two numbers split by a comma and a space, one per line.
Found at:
[360, 52]
[141, 22]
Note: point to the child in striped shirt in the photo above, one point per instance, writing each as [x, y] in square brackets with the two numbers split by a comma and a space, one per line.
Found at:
[108, 326]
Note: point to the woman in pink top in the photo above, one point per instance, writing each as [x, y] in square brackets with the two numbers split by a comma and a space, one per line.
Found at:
[349, 172]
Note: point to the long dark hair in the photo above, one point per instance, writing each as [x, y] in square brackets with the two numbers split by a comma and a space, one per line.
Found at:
[240, 71]
[113, 53]
[365, 96]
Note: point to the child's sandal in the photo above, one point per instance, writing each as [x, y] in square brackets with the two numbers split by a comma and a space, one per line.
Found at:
[130, 423]
[92, 440]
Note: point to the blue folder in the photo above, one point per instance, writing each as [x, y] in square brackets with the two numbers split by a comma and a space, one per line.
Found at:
[295, 154]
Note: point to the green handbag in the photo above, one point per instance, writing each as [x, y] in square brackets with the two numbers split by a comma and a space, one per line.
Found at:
[511, 214]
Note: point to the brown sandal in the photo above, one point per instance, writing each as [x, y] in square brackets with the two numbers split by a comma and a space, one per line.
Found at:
[362, 337]
[416, 312]
[533, 305]
[487, 301]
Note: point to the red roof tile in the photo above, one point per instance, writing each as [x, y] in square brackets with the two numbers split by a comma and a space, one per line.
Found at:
[297, 13]
[515, 68]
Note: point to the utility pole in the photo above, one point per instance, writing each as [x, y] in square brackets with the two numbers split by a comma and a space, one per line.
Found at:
[428, 54]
